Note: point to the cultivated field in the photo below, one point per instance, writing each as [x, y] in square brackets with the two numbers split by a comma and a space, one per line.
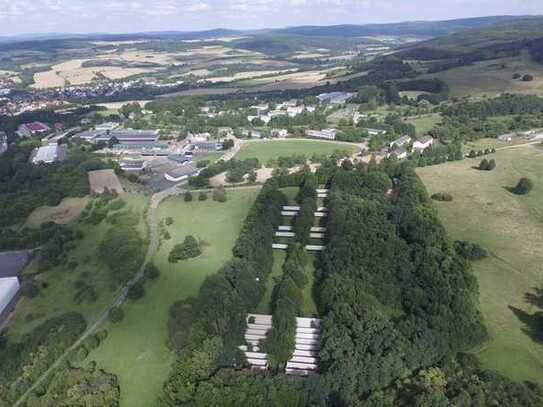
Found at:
[67, 211]
[136, 349]
[73, 73]
[271, 150]
[494, 77]
[510, 227]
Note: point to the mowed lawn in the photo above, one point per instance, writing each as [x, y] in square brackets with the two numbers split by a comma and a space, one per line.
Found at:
[57, 284]
[273, 149]
[510, 227]
[136, 349]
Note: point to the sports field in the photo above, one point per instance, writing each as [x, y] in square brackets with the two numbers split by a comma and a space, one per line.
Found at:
[271, 150]
[510, 227]
[136, 349]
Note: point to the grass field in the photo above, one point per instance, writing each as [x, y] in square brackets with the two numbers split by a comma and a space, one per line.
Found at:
[493, 77]
[67, 211]
[268, 150]
[136, 349]
[510, 227]
[425, 123]
[58, 296]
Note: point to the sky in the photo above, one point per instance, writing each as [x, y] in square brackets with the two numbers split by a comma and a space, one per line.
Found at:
[116, 16]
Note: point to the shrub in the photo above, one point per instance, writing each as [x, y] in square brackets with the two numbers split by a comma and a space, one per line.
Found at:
[442, 197]
[523, 187]
[487, 165]
[116, 315]
[470, 251]
[151, 271]
[30, 289]
[187, 196]
[516, 75]
[483, 165]
[136, 291]
[202, 163]
[219, 195]
[202, 196]
[169, 221]
[190, 248]
[491, 165]
[527, 78]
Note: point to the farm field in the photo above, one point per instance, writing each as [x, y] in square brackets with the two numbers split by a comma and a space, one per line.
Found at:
[269, 150]
[136, 349]
[510, 228]
[57, 293]
[67, 211]
[494, 77]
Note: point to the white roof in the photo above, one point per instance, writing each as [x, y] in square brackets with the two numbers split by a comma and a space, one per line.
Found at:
[8, 290]
[46, 154]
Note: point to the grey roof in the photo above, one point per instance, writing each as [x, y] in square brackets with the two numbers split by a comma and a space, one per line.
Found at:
[12, 263]
[123, 135]
[186, 170]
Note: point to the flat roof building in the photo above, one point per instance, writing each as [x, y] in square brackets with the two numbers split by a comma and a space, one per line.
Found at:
[328, 134]
[49, 154]
[181, 173]
[123, 136]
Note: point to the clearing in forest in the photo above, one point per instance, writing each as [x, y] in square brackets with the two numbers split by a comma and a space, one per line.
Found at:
[67, 211]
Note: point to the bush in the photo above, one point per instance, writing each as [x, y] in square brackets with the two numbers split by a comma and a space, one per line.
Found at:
[219, 195]
[470, 251]
[524, 186]
[442, 197]
[116, 315]
[202, 196]
[487, 165]
[483, 165]
[187, 196]
[516, 75]
[169, 221]
[151, 271]
[136, 291]
[30, 289]
[527, 78]
[190, 248]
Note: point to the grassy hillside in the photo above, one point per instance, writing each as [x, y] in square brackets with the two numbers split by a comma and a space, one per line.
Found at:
[510, 227]
[136, 349]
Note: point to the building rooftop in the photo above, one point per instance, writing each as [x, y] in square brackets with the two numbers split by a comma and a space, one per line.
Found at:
[49, 154]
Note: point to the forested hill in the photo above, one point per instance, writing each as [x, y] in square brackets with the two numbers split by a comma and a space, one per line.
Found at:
[489, 38]
[419, 28]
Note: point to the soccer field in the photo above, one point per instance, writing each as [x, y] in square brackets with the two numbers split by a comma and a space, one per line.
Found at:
[271, 150]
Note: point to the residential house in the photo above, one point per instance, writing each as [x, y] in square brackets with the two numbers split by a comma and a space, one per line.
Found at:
[398, 152]
[31, 129]
[375, 132]
[423, 143]
[279, 133]
[295, 111]
[402, 141]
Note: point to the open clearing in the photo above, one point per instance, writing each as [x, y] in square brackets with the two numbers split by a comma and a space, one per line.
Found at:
[510, 227]
[493, 77]
[271, 150]
[424, 123]
[67, 211]
[100, 180]
[136, 349]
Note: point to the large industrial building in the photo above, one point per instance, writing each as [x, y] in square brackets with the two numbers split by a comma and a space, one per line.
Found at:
[48, 154]
[123, 136]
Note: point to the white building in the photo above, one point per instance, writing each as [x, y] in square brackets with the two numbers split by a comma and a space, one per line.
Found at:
[279, 133]
[295, 111]
[402, 141]
[423, 143]
[48, 154]
[328, 134]
[9, 288]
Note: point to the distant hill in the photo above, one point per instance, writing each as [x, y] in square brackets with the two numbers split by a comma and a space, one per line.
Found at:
[418, 28]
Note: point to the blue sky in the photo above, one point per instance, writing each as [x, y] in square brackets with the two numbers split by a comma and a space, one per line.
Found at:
[34, 16]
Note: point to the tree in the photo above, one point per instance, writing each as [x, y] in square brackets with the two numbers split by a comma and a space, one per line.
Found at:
[168, 221]
[116, 315]
[187, 196]
[202, 196]
[524, 186]
[252, 177]
[491, 165]
[30, 289]
[219, 195]
[527, 78]
[151, 271]
[516, 75]
[190, 248]
[136, 291]
[483, 165]
[227, 144]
